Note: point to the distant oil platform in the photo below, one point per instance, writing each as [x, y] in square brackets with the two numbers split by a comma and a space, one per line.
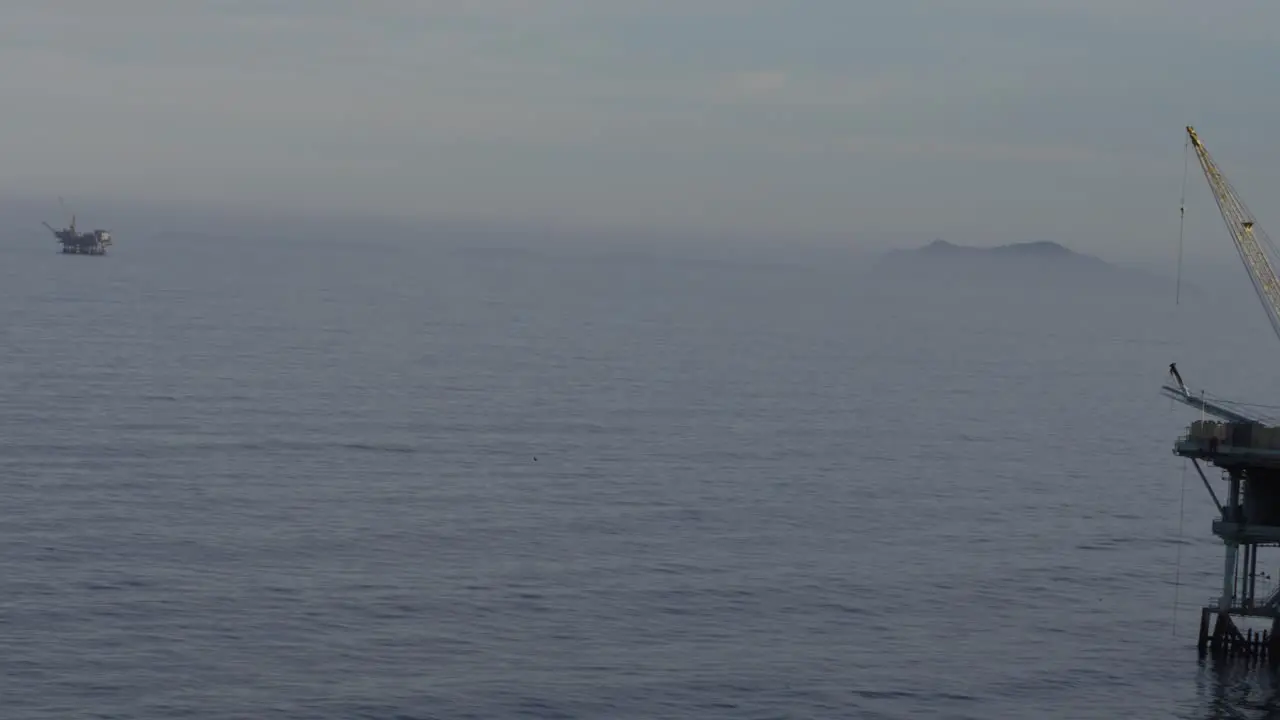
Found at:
[94, 242]
[1247, 452]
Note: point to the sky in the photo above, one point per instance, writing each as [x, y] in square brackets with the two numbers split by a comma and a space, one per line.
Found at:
[978, 121]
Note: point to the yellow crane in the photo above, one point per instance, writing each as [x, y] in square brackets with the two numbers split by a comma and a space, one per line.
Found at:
[1256, 251]
[1250, 240]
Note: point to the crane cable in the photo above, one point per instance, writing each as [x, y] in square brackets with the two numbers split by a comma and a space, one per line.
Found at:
[1182, 217]
[1177, 299]
[1177, 565]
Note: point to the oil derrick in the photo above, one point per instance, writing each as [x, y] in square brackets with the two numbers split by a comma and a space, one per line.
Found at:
[94, 242]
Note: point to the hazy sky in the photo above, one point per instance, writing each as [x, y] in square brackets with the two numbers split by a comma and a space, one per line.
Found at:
[964, 119]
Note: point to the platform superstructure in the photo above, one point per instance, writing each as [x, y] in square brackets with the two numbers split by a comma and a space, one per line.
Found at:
[94, 242]
[1243, 447]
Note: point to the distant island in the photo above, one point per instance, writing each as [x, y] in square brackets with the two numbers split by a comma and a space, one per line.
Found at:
[1040, 249]
[1040, 260]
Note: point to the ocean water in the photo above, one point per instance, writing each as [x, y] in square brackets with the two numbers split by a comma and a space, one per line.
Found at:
[285, 480]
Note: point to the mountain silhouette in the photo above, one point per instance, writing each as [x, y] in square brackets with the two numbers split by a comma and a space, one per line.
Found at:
[1038, 250]
[1035, 262]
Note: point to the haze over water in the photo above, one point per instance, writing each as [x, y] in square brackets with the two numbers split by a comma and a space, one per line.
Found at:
[282, 479]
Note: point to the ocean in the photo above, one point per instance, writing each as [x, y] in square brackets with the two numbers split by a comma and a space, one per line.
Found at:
[401, 480]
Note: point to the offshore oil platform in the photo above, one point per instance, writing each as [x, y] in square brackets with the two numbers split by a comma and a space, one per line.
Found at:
[1246, 451]
[94, 242]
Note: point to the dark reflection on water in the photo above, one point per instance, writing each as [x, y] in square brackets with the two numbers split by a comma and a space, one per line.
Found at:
[1238, 688]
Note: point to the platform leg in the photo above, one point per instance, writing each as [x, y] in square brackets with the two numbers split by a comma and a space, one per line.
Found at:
[1202, 641]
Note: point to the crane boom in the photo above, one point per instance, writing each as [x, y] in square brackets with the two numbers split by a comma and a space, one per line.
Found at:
[1244, 232]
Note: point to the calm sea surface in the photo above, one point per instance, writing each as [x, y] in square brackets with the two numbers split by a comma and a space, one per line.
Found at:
[279, 480]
